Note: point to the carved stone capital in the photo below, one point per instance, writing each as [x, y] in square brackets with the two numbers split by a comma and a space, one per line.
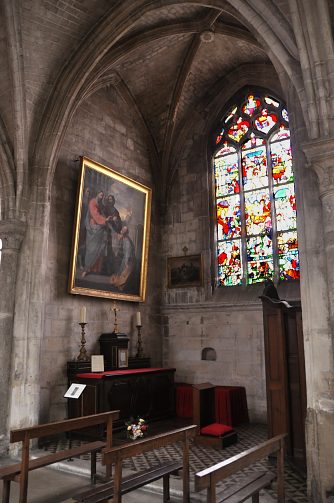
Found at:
[320, 156]
[12, 233]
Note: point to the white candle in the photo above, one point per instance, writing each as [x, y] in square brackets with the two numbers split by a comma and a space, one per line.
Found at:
[83, 314]
[138, 318]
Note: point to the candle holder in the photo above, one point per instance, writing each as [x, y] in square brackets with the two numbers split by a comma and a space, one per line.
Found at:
[83, 355]
[140, 352]
[115, 320]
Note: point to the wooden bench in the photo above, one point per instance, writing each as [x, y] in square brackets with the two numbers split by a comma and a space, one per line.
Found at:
[19, 472]
[250, 485]
[119, 486]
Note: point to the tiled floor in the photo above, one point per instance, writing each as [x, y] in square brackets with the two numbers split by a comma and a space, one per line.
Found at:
[200, 457]
[203, 456]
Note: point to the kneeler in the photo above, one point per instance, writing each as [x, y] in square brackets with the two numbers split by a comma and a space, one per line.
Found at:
[209, 431]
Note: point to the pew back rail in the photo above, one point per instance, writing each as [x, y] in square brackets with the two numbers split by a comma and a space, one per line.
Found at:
[251, 485]
[19, 472]
[117, 455]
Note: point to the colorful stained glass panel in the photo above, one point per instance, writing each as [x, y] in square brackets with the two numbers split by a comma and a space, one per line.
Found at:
[260, 160]
[252, 105]
[231, 114]
[238, 130]
[254, 168]
[228, 217]
[258, 216]
[225, 150]
[266, 121]
[254, 141]
[229, 263]
[259, 258]
[227, 175]
[285, 115]
[285, 206]
[288, 255]
[219, 136]
[287, 242]
[272, 102]
[282, 134]
[281, 162]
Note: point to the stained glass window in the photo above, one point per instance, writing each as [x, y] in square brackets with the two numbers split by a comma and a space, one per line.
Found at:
[255, 195]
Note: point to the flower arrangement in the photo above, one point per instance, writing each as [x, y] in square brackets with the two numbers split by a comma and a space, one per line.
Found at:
[136, 428]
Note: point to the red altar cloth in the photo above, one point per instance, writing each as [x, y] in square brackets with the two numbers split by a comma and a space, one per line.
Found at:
[100, 375]
[184, 400]
[231, 405]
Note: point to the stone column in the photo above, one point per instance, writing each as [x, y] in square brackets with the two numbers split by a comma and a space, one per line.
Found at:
[319, 350]
[11, 234]
[28, 328]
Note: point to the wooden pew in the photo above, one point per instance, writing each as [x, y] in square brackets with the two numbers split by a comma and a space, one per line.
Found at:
[19, 472]
[250, 485]
[120, 486]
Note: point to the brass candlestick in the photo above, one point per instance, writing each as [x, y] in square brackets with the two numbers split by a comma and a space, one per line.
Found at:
[115, 320]
[83, 355]
[140, 353]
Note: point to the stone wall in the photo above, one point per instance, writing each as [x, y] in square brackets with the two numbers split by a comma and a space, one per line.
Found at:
[236, 338]
[228, 320]
[104, 130]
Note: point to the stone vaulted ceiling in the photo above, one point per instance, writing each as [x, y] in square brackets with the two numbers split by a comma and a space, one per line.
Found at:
[169, 60]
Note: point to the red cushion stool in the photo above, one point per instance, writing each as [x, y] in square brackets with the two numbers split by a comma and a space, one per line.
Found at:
[216, 429]
[220, 435]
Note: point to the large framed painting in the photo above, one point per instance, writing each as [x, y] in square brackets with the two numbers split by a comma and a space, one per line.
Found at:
[111, 235]
[184, 272]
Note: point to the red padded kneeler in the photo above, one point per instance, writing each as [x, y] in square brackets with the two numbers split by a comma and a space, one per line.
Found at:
[216, 430]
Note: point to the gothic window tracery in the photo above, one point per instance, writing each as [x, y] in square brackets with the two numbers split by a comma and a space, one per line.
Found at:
[254, 193]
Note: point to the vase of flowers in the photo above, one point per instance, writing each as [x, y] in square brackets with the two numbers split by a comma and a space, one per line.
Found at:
[136, 428]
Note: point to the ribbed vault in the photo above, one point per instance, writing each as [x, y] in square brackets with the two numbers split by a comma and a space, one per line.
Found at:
[168, 55]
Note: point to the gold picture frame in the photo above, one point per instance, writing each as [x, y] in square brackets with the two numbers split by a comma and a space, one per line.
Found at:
[111, 235]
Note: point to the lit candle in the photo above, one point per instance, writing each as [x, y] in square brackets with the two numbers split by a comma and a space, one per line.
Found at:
[83, 314]
[138, 318]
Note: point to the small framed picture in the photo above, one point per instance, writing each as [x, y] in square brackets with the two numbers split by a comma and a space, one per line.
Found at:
[97, 363]
[122, 358]
[184, 271]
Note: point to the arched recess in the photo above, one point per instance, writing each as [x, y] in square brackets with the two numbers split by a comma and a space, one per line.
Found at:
[209, 108]
[200, 124]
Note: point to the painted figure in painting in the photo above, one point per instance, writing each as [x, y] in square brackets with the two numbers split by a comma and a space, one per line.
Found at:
[82, 233]
[114, 226]
[126, 260]
[96, 235]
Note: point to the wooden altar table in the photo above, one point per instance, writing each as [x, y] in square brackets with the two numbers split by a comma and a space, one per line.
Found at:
[145, 392]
